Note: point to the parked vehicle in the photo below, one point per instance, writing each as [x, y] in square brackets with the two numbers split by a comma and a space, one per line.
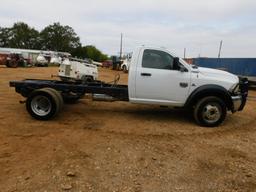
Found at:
[14, 60]
[43, 60]
[55, 59]
[35, 57]
[77, 70]
[3, 58]
[107, 63]
[126, 63]
[156, 76]
[116, 63]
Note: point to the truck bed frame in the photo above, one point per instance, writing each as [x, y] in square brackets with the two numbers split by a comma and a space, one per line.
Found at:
[27, 86]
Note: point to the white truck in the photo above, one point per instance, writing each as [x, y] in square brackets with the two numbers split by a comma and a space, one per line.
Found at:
[156, 77]
[126, 63]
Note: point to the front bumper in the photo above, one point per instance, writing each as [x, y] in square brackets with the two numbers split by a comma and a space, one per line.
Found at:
[237, 103]
[240, 99]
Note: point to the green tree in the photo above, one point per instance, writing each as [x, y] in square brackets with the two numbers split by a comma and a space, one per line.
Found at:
[53, 37]
[79, 52]
[59, 38]
[5, 34]
[23, 36]
[90, 52]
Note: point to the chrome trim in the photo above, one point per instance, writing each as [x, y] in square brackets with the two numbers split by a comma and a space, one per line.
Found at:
[237, 102]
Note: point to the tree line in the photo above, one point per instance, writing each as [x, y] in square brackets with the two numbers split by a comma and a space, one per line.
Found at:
[55, 37]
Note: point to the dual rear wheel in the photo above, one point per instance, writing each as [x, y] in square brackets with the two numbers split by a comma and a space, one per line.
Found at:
[44, 104]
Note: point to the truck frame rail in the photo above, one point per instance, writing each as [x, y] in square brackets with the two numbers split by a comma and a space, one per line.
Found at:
[27, 86]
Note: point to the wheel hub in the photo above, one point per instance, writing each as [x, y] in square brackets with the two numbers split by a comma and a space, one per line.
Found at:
[211, 113]
[41, 105]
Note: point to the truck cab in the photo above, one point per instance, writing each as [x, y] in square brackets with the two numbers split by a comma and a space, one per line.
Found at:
[157, 76]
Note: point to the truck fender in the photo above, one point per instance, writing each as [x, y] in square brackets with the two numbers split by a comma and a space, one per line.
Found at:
[209, 90]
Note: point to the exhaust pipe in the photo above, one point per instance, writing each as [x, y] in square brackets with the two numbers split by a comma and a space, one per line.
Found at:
[103, 97]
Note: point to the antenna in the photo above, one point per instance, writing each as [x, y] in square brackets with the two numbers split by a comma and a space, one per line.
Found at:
[185, 51]
[221, 42]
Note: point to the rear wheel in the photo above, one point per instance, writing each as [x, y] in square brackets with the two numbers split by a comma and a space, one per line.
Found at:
[125, 69]
[58, 94]
[210, 111]
[43, 104]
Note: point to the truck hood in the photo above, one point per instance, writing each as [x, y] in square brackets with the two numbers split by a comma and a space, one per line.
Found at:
[218, 75]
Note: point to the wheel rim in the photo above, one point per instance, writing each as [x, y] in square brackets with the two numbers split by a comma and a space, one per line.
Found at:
[41, 105]
[212, 113]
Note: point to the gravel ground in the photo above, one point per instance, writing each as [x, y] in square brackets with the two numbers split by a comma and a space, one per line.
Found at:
[98, 146]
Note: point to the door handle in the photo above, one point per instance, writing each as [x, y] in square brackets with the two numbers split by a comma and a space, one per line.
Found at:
[183, 84]
[146, 74]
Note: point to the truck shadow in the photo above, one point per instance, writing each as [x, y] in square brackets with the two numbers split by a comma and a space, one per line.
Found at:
[136, 112]
[124, 112]
[162, 114]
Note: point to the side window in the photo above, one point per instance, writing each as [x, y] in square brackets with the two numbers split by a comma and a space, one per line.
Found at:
[157, 59]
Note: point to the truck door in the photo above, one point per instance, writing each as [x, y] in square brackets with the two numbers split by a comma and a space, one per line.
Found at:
[157, 80]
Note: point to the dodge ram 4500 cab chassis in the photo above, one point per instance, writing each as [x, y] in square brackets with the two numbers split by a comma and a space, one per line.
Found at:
[156, 76]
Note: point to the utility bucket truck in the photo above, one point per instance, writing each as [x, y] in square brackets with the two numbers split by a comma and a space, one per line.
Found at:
[156, 77]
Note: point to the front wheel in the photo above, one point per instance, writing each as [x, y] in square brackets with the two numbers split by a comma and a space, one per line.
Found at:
[210, 111]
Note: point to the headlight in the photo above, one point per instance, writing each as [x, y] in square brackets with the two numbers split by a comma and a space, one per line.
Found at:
[235, 89]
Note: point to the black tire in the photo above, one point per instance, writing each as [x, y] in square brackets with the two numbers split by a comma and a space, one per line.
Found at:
[210, 111]
[7, 64]
[46, 99]
[58, 94]
[12, 64]
[86, 79]
[125, 69]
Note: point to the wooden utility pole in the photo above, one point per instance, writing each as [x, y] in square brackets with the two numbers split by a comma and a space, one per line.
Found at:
[121, 46]
[221, 42]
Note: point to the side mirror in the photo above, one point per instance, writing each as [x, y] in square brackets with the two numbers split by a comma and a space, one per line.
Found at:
[176, 61]
[178, 66]
[183, 69]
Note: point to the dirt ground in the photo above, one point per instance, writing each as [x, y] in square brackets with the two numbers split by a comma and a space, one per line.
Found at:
[98, 146]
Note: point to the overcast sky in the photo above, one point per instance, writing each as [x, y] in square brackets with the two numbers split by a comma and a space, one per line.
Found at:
[198, 25]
